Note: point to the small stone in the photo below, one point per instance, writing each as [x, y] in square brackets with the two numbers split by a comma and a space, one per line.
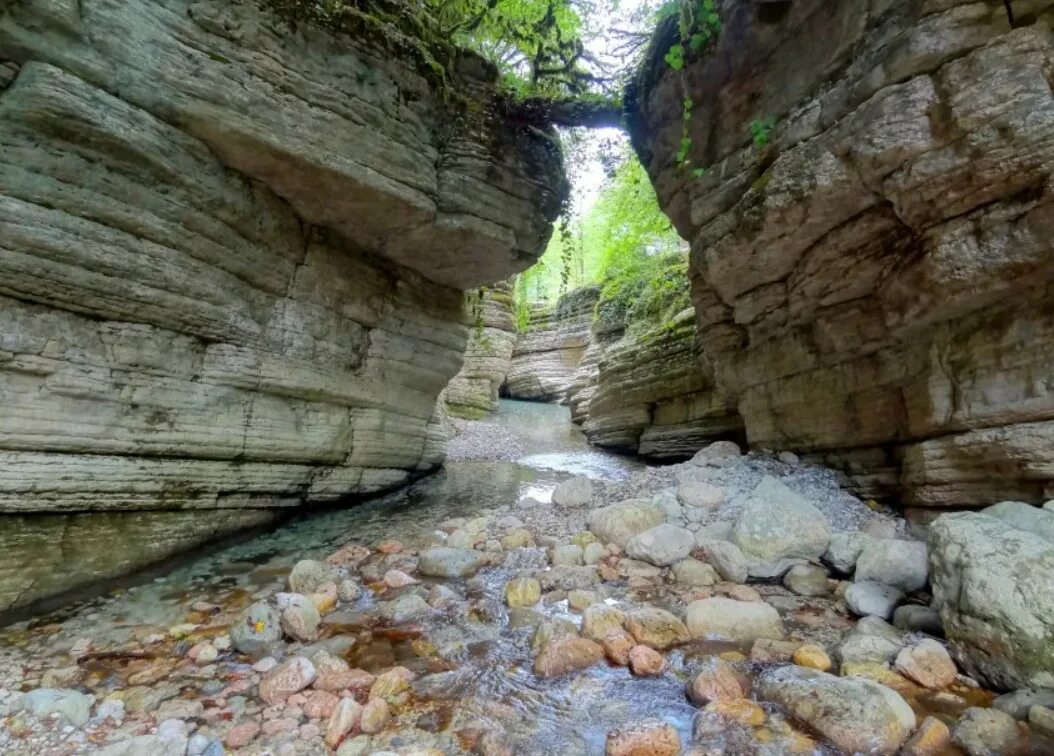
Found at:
[873, 599]
[656, 628]
[360, 745]
[694, 573]
[576, 492]
[727, 559]
[812, 656]
[806, 580]
[931, 739]
[717, 453]
[73, 706]
[568, 554]
[927, 663]
[1020, 702]
[203, 654]
[375, 716]
[331, 673]
[729, 619]
[598, 620]
[565, 654]
[644, 661]
[348, 591]
[460, 539]
[593, 553]
[405, 609]
[788, 458]
[265, 664]
[63, 677]
[287, 678]
[390, 547]
[308, 574]
[579, 600]
[698, 494]
[241, 735]
[900, 564]
[451, 563]
[649, 738]
[343, 720]
[391, 684]
[617, 645]
[520, 538]
[618, 523]
[398, 579]
[662, 545]
[523, 592]
[844, 549]
[299, 616]
[256, 628]
[986, 732]
[741, 710]
[1042, 720]
[716, 680]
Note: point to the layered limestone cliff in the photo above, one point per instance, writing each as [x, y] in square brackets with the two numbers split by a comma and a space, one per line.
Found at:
[474, 390]
[231, 263]
[648, 392]
[548, 352]
[872, 278]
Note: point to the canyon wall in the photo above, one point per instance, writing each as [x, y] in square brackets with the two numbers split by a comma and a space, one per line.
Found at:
[548, 352]
[873, 278]
[647, 392]
[473, 392]
[232, 256]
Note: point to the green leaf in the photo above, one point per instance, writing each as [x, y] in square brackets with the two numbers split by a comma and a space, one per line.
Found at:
[675, 57]
[699, 172]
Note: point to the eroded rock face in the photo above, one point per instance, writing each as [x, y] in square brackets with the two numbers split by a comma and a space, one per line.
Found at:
[650, 393]
[230, 272]
[548, 352]
[474, 390]
[873, 283]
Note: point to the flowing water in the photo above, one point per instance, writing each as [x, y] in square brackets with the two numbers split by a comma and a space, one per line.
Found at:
[473, 665]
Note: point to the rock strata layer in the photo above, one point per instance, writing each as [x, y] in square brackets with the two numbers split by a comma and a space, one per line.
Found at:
[549, 351]
[871, 242]
[474, 390]
[649, 392]
[231, 256]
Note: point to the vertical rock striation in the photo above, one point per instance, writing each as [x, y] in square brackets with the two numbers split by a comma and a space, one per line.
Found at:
[231, 263]
[873, 279]
[548, 353]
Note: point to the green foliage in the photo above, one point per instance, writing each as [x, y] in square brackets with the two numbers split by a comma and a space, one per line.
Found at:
[761, 130]
[646, 292]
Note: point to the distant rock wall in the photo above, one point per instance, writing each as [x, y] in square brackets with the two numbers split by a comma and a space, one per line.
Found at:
[548, 353]
[474, 390]
[649, 393]
[231, 263]
[874, 281]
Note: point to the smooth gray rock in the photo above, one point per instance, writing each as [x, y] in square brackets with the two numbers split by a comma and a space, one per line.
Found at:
[857, 715]
[308, 575]
[986, 732]
[662, 545]
[806, 580]
[446, 562]
[618, 523]
[728, 619]
[844, 549]
[148, 745]
[992, 586]
[73, 706]
[257, 627]
[900, 564]
[872, 640]
[777, 528]
[866, 598]
[576, 492]
[728, 560]
[693, 572]
[717, 453]
[568, 554]
[1018, 702]
[1025, 517]
[700, 494]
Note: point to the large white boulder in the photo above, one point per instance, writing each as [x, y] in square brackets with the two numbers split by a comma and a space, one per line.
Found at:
[993, 585]
[778, 528]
